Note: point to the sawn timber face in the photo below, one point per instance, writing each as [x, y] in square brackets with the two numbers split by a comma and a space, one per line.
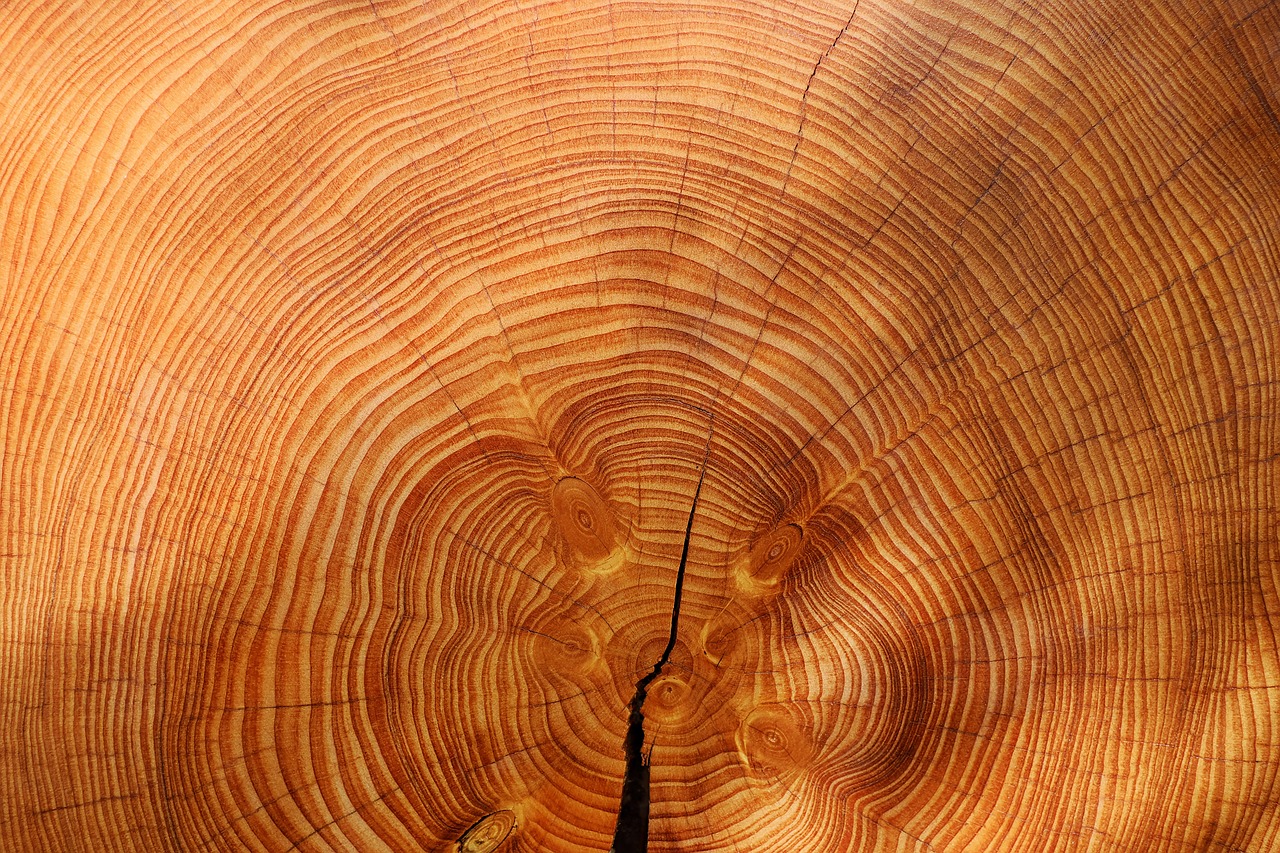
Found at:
[356, 368]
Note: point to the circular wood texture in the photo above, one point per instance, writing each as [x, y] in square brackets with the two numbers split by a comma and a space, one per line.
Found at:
[359, 361]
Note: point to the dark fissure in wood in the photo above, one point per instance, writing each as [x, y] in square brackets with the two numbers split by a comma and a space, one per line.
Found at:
[631, 835]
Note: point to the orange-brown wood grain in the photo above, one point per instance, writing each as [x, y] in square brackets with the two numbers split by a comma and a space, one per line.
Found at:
[357, 367]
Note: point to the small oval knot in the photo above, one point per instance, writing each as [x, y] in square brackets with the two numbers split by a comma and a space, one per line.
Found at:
[488, 832]
[774, 743]
[770, 558]
[584, 520]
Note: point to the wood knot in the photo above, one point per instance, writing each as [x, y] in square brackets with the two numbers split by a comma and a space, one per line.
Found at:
[668, 698]
[720, 638]
[586, 523]
[774, 743]
[488, 832]
[566, 645]
[769, 559]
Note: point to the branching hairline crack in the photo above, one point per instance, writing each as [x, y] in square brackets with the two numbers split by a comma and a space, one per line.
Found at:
[631, 834]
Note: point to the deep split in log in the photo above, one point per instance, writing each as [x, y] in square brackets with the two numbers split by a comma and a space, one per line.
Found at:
[631, 835]
[357, 363]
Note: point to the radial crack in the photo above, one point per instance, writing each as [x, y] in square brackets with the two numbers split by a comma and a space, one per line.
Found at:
[631, 834]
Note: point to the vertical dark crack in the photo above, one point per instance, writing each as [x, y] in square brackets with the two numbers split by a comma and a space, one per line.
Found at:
[632, 832]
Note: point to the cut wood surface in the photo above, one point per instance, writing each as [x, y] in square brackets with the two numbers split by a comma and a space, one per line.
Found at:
[359, 362]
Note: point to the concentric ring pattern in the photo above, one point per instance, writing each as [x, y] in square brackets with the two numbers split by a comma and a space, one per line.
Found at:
[360, 360]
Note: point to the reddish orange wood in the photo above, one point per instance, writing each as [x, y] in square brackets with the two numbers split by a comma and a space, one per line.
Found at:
[358, 362]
